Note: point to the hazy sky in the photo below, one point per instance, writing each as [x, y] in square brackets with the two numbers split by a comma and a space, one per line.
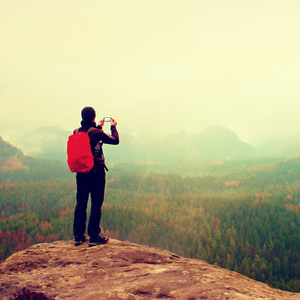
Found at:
[160, 65]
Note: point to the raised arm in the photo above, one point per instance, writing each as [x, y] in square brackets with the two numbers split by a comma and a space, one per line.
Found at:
[112, 139]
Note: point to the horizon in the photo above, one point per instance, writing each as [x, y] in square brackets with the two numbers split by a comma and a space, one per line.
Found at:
[161, 67]
[266, 145]
[33, 142]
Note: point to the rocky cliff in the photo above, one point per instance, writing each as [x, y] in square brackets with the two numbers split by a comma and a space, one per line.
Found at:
[123, 270]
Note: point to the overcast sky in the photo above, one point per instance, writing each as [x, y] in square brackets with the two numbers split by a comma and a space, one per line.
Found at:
[161, 65]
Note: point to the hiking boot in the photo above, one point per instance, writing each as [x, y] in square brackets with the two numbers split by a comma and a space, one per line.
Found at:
[98, 240]
[79, 240]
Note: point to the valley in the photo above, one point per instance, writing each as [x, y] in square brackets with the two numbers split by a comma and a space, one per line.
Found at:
[239, 214]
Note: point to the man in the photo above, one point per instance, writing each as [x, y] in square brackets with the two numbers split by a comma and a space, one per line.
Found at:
[92, 182]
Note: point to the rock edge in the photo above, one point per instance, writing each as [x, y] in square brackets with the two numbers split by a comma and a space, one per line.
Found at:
[123, 270]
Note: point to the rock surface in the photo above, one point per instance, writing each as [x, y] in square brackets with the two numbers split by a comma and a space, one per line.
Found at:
[123, 270]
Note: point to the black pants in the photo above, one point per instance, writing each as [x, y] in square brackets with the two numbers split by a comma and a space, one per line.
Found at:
[94, 184]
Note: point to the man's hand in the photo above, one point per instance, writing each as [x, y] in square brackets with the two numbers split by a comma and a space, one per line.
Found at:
[113, 122]
[101, 123]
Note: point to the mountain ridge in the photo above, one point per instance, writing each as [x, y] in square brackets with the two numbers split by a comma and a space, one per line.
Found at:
[124, 270]
[11, 158]
[45, 142]
[216, 142]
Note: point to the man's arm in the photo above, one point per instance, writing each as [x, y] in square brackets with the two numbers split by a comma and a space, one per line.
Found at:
[112, 139]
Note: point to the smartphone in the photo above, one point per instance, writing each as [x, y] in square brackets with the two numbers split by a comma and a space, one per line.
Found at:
[107, 119]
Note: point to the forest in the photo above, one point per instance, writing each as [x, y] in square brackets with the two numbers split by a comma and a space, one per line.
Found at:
[240, 215]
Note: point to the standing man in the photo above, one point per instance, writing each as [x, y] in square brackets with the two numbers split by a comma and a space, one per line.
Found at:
[92, 182]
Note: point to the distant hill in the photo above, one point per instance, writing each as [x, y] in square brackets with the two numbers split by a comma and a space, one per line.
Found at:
[16, 167]
[285, 146]
[218, 142]
[11, 158]
[45, 142]
[8, 151]
[215, 143]
[290, 151]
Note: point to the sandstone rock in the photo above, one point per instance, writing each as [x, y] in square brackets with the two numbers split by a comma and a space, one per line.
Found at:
[123, 270]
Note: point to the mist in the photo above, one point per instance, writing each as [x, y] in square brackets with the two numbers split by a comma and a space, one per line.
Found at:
[159, 66]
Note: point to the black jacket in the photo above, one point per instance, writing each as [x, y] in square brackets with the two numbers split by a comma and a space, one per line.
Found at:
[99, 136]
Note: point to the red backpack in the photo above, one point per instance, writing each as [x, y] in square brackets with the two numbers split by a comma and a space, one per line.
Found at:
[80, 156]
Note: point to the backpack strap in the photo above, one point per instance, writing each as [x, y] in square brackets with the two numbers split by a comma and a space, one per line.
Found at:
[91, 129]
[100, 160]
